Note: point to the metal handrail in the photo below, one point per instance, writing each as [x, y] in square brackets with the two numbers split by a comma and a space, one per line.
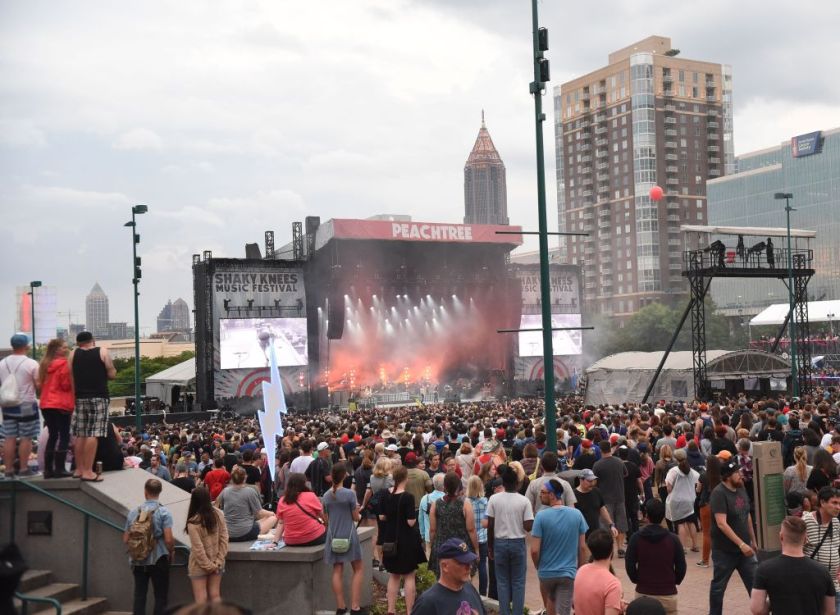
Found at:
[26, 599]
[87, 516]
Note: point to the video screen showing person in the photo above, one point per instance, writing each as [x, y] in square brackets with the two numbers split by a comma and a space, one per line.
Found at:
[245, 342]
[562, 342]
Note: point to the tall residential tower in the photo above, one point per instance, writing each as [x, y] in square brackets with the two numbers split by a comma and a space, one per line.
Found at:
[647, 118]
[485, 186]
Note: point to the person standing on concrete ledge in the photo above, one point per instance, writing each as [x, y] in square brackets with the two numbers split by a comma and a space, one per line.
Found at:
[155, 566]
[20, 416]
[453, 593]
[92, 368]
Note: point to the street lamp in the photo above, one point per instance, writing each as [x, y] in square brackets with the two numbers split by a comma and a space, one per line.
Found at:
[135, 239]
[794, 370]
[32, 286]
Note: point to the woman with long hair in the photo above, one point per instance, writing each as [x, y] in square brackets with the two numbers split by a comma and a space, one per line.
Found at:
[341, 510]
[681, 483]
[475, 493]
[300, 520]
[208, 534]
[709, 480]
[796, 475]
[451, 517]
[824, 471]
[402, 550]
[57, 404]
[380, 482]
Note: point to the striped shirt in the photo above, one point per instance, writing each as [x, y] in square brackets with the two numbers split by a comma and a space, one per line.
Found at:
[480, 511]
[828, 554]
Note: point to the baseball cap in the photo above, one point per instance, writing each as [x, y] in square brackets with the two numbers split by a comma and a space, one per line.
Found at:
[322, 446]
[411, 458]
[19, 340]
[391, 447]
[456, 549]
[724, 455]
[680, 454]
[728, 469]
[588, 474]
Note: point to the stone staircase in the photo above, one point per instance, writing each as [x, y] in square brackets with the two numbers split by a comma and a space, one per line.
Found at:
[40, 583]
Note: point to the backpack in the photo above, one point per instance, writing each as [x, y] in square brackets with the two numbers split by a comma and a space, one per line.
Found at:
[9, 391]
[141, 540]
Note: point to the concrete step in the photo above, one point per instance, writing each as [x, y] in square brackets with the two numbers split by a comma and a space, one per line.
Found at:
[129, 613]
[91, 606]
[59, 591]
[33, 579]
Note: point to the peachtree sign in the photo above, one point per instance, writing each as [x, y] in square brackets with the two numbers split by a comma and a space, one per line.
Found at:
[805, 145]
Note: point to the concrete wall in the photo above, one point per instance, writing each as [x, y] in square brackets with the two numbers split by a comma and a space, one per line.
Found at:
[293, 579]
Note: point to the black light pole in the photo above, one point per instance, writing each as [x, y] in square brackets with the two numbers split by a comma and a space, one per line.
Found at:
[794, 367]
[136, 210]
[541, 76]
[32, 286]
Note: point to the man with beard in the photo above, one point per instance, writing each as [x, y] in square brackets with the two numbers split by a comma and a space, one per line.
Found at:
[733, 539]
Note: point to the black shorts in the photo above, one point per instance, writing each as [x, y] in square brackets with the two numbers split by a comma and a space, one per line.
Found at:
[251, 535]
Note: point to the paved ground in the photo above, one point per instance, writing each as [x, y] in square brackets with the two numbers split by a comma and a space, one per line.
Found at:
[693, 593]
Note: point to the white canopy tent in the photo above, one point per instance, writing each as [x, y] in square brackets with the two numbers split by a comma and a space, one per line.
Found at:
[818, 311]
[625, 376]
[161, 385]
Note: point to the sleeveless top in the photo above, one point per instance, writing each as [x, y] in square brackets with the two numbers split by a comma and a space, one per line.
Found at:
[89, 375]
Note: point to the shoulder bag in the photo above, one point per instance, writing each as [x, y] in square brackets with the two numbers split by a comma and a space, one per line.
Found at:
[340, 546]
[309, 514]
[389, 549]
[828, 530]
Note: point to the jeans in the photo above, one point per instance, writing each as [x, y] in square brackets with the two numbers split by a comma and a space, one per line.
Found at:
[837, 604]
[509, 559]
[159, 575]
[482, 568]
[724, 564]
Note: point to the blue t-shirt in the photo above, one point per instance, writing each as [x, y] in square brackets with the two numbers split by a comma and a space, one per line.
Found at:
[559, 530]
[161, 520]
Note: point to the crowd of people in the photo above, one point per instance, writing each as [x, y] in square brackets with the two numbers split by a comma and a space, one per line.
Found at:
[472, 489]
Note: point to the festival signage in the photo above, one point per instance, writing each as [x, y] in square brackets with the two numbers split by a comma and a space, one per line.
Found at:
[401, 230]
[565, 288]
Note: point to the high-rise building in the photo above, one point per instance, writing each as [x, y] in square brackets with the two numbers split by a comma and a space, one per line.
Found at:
[96, 312]
[175, 316]
[485, 186]
[648, 118]
[807, 166]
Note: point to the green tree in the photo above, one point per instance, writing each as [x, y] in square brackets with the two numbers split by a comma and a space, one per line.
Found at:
[123, 384]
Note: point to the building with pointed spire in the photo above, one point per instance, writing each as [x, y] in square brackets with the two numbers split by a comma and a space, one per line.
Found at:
[485, 185]
[96, 312]
[175, 316]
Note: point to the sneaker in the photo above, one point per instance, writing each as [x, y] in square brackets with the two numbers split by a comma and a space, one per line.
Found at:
[703, 564]
[28, 474]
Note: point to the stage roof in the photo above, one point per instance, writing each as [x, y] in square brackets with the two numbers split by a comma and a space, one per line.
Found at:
[755, 231]
[395, 230]
[681, 359]
[818, 311]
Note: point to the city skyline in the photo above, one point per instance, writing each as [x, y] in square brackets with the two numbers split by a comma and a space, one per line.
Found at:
[212, 122]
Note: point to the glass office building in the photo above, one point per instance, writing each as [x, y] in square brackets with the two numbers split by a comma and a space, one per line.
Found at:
[809, 168]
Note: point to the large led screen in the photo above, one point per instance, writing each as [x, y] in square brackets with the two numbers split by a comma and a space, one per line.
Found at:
[245, 342]
[563, 342]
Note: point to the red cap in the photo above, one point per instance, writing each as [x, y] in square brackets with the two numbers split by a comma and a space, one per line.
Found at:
[586, 443]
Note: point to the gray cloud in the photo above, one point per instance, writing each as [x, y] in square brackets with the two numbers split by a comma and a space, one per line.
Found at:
[228, 120]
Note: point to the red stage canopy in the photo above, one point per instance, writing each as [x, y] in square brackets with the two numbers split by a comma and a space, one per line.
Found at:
[386, 230]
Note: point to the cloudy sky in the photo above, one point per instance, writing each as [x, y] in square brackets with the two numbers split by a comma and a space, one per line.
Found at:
[230, 118]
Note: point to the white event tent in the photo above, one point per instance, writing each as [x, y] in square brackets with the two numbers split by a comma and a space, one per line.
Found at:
[818, 311]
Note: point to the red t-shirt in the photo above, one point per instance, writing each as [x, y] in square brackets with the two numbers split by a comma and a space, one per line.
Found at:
[298, 527]
[215, 481]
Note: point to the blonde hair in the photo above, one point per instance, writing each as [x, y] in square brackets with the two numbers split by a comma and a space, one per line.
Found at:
[800, 458]
[379, 449]
[475, 488]
[382, 467]
[54, 346]
[520, 471]
[238, 475]
[665, 453]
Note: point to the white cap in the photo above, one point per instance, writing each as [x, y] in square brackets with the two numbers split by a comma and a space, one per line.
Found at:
[391, 447]
[322, 446]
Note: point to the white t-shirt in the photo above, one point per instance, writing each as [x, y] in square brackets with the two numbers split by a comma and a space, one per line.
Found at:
[300, 464]
[26, 374]
[509, 511]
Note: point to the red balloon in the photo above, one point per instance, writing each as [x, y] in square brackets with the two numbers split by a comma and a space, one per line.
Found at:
[656, 193]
